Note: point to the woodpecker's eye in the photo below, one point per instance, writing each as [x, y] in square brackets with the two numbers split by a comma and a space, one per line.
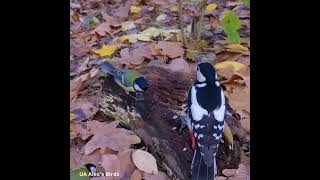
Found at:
[197, 68]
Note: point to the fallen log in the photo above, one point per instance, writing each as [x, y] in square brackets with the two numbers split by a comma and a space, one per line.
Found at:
[157, 119]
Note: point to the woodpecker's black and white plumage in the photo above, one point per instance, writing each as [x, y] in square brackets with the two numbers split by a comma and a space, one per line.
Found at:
[206, 110]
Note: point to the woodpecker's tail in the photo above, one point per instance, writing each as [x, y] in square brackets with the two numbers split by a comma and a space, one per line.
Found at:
[108, 68]
[200, 171]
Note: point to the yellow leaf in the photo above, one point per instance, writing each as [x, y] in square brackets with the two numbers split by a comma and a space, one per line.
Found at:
[236, 66]
[72, 127]
[237, 47]
[146, 35]
[212, 7]
[106, 50]
[127, 25]
[135, 9]
[133, 38]
[72, 116]
[174, 8]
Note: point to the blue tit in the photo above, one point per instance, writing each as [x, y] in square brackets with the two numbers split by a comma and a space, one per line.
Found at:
[130, 80]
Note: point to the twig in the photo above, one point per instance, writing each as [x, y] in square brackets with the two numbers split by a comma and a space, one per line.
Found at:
[203, 9]
[181, 24]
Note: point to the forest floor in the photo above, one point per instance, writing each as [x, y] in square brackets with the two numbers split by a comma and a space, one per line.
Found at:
[138, 33]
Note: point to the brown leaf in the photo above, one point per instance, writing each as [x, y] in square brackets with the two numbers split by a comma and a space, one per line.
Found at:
[126, 164]
[81, 51]
[102, 29]
[160, 176]
[243, 173]
[106, 135]
[221, 178]
[123, 10]
[144, 161]
[180, 65]
[76, 84]
[229, 172]
[111, 164]
[83, 109]
[239, 96]
[136, 175]
[78, 159]
[81, 130]
[132, 58]
[170, 49]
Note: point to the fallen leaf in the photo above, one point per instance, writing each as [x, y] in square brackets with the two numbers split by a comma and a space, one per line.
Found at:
[77, 159]
[221, 178]
[122, 11]
[135, 9]
[144, 161]
[239, 96]
[179, 65]
[170, 49]
[111, 164]
[211, 7]
[146, 35]
[136, 175]
[160, 176]
[133, 38]
[80, 129]
[174, 8]
[127, 25]
[126, 164]
[81, 51]
[72, 116]
[102, 29]
[132, 58]
[237, 48]
[235, 65]
[161, 17]
[106, 50]
[112, 21]
[106, 135]
[83, 109]
[242, 173]
[229, 172]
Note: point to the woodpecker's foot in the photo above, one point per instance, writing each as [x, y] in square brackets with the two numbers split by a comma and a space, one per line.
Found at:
[193, 141]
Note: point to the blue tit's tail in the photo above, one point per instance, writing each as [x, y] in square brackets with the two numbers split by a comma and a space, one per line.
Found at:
[108, 68]
[200, 171]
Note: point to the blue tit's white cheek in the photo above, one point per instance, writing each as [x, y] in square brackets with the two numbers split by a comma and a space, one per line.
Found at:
[200, 76]
[137, 87]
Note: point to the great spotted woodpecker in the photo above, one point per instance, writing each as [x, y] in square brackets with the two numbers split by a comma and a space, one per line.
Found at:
[205, 119]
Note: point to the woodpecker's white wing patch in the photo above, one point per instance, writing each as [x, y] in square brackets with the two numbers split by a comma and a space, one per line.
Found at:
[217, 83]
[196, 110]
[220, 127]
[220, 111]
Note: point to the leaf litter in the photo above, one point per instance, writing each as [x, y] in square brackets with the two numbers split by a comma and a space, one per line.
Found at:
[136, 33]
